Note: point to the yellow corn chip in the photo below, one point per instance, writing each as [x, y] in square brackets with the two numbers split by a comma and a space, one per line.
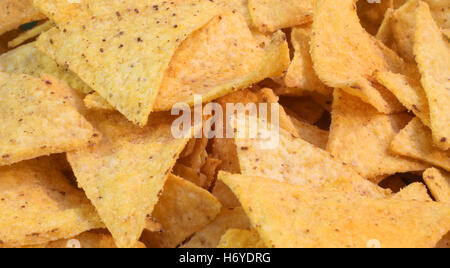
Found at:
[210, 171]
[433, 57]
[223, 50]
[301, 73]
[415, 141]
[409, 91]
[298, 162]
[291, 216]
[39, 204]
[240, 6]
[94, 101]
[182, 210]
[190, 174]
[311, 133]
[38, 119]
[272, 15]
[372, 13]
[276, 60]
[446, 32]
[209, 237]
[415, 191]
[17, 12]
[124, 174]
[238, 238]
[36, 31]
[384, 33]
[370, 134]
[198, 157]
[27, 59]
[225, 195]
[402, 26]
[125, 64]
[338, 40]
[85, 240]
[439, 184]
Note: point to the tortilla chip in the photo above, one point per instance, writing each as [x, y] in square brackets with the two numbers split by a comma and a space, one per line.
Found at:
[338, 39]
[298, 162]
[240, 6]
[224, 194]
[209, 237]
[372, 13]
[384, 33]
[224, 50]
[433, 57]
[446, 32]
[39, 205]
[29, 60]
[38, 119]
[276, 60]
[280, 88]
[225, 151]
[125, 64]
[301, 73]
[210, 171]
[17, 12]
[439, 184]
[272, 15]
[86, 240]
[409, 91]
[415, 141]
[124, 174]
[190, 174]
[282, 215]
[198, 157]
[403, 26]
[311, 133]
[416, 191]
[182, 210]
[370, 133]
[36, 31]
[238, 238]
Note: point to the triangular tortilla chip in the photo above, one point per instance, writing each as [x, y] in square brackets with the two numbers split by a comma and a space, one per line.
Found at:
[299, 162]
[338, 40]
[408, 90]
[301, 73]
[38, 119]
[416, 191]
[125, 64]
[432, 53]
[402, 26]
[182, 210]
[17, 12]
[439, 184]
[311, 133]
[370, 134]
[272, 15]
[209, 236]
[29, 60]
[223, 50]
[415, 141]
[39, 204]
[238, 238]
[124, 174]
[92, 239]
[293, 216]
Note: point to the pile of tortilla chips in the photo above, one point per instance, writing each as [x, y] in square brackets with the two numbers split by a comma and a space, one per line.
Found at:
[350, 100]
